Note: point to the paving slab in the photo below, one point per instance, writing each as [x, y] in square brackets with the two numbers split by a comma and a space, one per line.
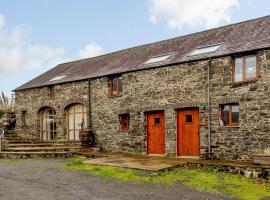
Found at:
[133, 162]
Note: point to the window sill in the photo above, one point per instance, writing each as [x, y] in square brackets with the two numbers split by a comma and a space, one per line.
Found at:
[226, 127]
[115, 96]
[244, 82]
[125, 131]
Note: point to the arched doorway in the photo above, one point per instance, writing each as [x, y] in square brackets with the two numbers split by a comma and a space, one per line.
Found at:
[47, 124]
[76, 120]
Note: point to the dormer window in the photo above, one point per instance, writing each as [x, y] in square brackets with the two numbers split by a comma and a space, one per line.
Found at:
[157, 59]
[115, 86]
[205, 50]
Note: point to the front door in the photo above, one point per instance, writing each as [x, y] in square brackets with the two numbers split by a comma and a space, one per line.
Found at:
[155, 133]
[188, 132]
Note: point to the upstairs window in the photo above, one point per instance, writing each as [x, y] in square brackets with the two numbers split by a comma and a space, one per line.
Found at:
[124, 122]
[230, 115]
[115, 86]
[23, 118]
[51, 91]
[245, 68]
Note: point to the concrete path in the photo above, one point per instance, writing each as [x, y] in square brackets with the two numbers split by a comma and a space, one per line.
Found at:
[46, 179]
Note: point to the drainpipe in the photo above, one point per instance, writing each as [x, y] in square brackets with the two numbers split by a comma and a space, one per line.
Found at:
[89, 105]
[208, 105]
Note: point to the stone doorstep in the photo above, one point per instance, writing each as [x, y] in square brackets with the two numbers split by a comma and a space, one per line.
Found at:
[261, 159]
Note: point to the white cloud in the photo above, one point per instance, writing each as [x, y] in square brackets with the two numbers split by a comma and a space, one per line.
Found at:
[2, 21]
[192, 13]
[17, 53]
[90, 50]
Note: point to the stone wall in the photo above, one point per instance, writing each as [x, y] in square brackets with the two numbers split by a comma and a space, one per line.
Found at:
[168, 89]
[143, 91]
[32, 100]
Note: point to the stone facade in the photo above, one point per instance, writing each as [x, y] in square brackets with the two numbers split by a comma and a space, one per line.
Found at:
[169, 89]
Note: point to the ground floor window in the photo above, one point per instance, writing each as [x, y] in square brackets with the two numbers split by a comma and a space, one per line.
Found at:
[230, 115]
[124, 122]
[76, 120]
[47, 124]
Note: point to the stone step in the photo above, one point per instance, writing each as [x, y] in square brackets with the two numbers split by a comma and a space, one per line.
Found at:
[20, 141]
[33, 144]
[22, 155]
[42, 149]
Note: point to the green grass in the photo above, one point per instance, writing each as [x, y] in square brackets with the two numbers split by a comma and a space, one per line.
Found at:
[201, 179]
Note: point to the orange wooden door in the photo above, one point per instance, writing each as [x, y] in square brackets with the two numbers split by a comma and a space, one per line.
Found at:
[188, 132]
[155, 133]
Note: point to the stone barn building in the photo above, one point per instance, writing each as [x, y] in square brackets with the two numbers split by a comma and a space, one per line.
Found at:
[202, 95]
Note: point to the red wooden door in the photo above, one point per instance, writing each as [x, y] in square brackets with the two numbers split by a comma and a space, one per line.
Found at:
[155, 133]
[188, 132]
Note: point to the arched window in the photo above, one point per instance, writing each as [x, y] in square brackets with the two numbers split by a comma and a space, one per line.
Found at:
[76, 120]
[47, 124]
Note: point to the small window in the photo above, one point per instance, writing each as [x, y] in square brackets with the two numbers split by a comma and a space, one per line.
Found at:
[188, 118]
[24, 118]
[51, 92]
[124, 122]
[57, 78]
[245, 68]
[204, 50]
[157, 59]
[156, 121]
[115, 86]
[230, 115]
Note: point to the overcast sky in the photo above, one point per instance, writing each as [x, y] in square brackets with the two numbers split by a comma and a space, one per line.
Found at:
[36, 35]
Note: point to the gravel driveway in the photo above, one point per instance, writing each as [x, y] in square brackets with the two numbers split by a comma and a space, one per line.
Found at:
[46, 179]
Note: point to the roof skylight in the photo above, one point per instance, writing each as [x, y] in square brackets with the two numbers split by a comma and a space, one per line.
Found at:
[57, 78]
[158, 59]
[203, 50]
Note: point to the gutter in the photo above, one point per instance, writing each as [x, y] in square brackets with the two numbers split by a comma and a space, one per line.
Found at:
[208, 105]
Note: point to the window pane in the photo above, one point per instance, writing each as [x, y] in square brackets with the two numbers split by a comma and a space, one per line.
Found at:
[157, 121]
[114, 84]
[85, 120]
[78, 121]
[71, 135]
[71, 122]
[188, 118]
[238, 72]
[226, 115]
[120, 84]
[77, 135]
[78, 108]
[235, 114]
[251, 67]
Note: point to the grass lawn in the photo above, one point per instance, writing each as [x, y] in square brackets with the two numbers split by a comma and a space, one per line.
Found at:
[201, 179]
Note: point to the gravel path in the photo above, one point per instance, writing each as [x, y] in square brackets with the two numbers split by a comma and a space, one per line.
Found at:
[46, 179]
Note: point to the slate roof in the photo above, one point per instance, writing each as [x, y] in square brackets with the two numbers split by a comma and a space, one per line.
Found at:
[240, 37]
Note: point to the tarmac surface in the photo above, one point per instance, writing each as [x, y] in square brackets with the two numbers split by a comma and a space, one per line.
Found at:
[47, 179]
